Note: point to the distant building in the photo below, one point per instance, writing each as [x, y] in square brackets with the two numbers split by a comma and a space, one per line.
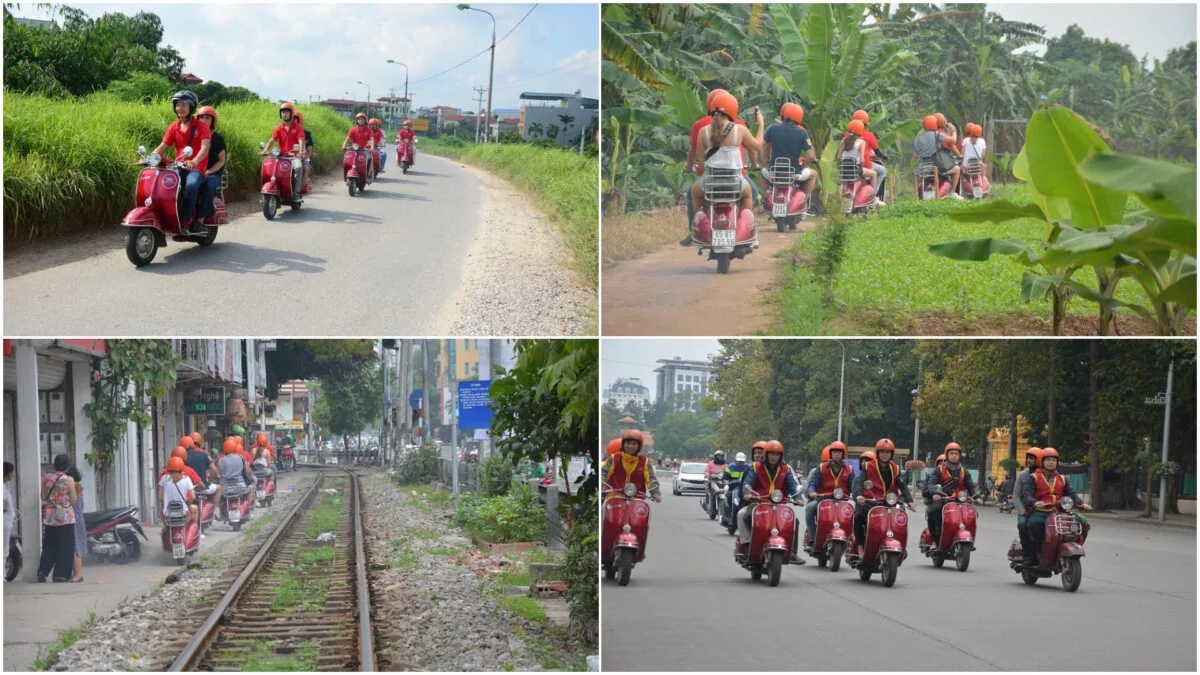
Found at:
[626, 392]
[557, 117]
[190, 78]
[345, 106]
[394, 109]
[686, 380]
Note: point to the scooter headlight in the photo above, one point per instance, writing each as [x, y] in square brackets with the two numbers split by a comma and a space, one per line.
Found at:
[889, 534]
[630, 489]
[890, 499]
[275, 152]
[153, 159]
[838, 493]
[774, 532]
[354, 146]
[1067, 503]
[777, 496]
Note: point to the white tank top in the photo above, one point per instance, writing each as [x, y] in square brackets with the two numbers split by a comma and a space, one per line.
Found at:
[855, 152]
[970, 151]
[727, 156]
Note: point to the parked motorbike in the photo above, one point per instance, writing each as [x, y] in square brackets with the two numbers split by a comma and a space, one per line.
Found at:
[159, 193]
[887, 540]
[113, 535]
[623, 536]
[930, 183]
[957, 538]
[860, 196]
[835, 530]
[278, 173]
[406, 151]
[722, 226]
[12, 563]
[356, 169]
[179, 537]
[786, 200]
[974, 184]
[1061, 552]
[772, 529]
[235, 503]
[266, 486]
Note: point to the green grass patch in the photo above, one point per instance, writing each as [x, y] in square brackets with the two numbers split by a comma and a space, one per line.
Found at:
[565, 657]
[563, 185]
[259, 523]
[422, 533]
[63, 177]
[326, 515]
[520, 578]
[401, 555]
[525, 607]
[261, 658]
[426, 499]
[47, 657]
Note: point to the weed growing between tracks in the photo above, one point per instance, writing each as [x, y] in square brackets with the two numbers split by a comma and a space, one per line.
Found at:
[263, 659]
[65, 639]
[304, 585]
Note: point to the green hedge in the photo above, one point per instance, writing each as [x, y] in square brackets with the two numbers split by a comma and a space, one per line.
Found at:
[516, 516]
[68, 162]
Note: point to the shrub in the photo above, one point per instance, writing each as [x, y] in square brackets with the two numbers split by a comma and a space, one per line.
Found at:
[581, 572]
[515, 516]
[418, 466]
[495, 476]
[141, 88]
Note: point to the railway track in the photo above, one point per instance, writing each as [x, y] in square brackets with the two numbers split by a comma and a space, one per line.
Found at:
[299, 603]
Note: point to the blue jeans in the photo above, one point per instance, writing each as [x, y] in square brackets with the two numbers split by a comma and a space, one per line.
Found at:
[208, 192]
[810, 519]
[382, 159]
[191, 190]
[1037, 532]
[881, 173]
[691, 210]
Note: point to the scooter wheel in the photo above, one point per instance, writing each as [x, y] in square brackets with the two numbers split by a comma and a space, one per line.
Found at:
[610, 572]
[962, 558]
[1072, 574]
[141, 245]
[12, 564]
[821, 560]
[624, 566]
[236, 526]
[1029, 578]
[210, 235]
[270, 206]
[835, 556]
[891, 567]
[723, 261]
[863, 572]
[781, 225]
[350, 185]
[937, 560]
[775, 569]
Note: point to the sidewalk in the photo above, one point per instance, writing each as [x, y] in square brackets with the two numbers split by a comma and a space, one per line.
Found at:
[35, 614]
[1130, 516]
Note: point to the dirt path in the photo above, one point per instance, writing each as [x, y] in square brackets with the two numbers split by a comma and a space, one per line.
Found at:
[673, 291]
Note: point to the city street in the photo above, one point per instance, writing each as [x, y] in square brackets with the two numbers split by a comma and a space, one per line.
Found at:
[689, 607]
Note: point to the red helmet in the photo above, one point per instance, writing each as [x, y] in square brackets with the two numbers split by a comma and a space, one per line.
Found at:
[374, 120]
[838, 445]
[711, 95]
[793, 112]
[230, 446]
[868, 456]
[175, 464]
[1047, 452]
[940, 458]
[186, 442]
[407, 123]
[178, 453]
[941, 119]
[288, 107]
[862, 116]
[929, 123]
[300, 118]
[953, 446]
[726, 104]
[614, 447]
[856, 127]
[773, 446]
[359, 116]
[635, 435]
[885, 444]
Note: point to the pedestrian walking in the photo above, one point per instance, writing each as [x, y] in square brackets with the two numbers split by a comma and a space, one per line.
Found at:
[58, 521]
[80, 524]
[10, 510]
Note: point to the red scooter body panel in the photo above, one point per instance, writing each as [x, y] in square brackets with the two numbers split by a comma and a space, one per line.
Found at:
[165, 200]
[1054, 548]
[188, 535]
[828, 513]
[142, 216]
[405, 151]
[619, 512]
[951, 517]
[375, 159]
[361, 164]
[795, 202]
[860, 193]
[765, 518]
[350, 165]
[880, 520]
[269, 187]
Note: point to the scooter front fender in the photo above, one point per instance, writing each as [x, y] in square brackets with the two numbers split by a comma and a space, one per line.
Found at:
[628, 540]
[964, 536]
[776, 542]
[142, 216]
[837, 534]
[270, 188]
[891, 544]
[1070, 549]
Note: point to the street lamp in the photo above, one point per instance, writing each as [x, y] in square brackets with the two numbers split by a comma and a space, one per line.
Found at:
[841, 388]
[405, 84]
[368, 96]
[491, 67]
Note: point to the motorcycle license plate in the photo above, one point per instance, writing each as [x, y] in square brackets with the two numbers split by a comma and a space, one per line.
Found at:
[977, 191]
[723, 238]
[928, 194]
[235, 517]
[779, 210]
[177, 550]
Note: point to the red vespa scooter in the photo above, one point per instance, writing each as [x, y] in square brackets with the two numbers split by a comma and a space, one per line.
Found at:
[974, 184]
[723, 227]
[772, 526]
[835, 530]
[179, 537]
[860, 196]
[787, 201]
[887, 540]
[208, 510]
[356, 168]
[1061, 552]
[930, 183]
[277, 175]
[159, 189]
[266, 486]
[235, 503]
[406, 151]
[623, 536]
[957, 538]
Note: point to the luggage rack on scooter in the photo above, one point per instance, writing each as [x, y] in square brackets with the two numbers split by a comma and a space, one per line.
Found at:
[974, 167]
[1067, 523]
[782, 172]
[926, 169]
[176, 514]
[722, 186]
[849, 170]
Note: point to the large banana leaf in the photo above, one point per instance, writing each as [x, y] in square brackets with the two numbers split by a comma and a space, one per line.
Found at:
[1167, 189]
[621, 51]
[1057, 143]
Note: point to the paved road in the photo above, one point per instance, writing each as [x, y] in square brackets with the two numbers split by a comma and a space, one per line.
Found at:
[1136, 608]
[389, 261]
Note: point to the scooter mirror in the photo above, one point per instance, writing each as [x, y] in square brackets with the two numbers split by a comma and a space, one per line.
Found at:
[141, 151]
[187, 152]
[262, 146]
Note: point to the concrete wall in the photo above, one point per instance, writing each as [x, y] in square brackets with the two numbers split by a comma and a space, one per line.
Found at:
[549, 115]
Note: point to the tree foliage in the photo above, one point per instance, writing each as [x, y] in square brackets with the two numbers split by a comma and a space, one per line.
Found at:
[315, 359]
[348, 398]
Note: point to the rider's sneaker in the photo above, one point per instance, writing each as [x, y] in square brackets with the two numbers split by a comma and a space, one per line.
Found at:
[880, 202]
[958, 196]
[686, 241]
[797, 560]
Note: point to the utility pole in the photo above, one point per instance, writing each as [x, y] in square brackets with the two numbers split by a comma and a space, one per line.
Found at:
[478, 90]
[1162, 479]
[427, 381]
[453, 410]
[917, 426]
[383, 422]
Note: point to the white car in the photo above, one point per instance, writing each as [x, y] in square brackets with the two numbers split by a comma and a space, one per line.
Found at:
[689, 478]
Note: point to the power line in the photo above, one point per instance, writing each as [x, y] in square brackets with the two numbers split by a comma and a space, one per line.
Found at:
[535, 5]
[485, 49]
[502, 85]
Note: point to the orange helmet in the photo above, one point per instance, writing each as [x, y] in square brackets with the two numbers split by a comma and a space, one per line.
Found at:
[208, 110]
[175, 464]
[773, 446]
[1047, 452]
[793, 112]
[407, 123]
[940, 458]
[1036, 452]
[708, 103]
[862, 116]
[941, 119]
[825, 454]
[929, 123]
[614, 446]
[288, 107]
[856, 127]
[885, 444]
[178, 453]
[725, 104]
[238, 439]
[977, 132]
[953, 446]
[374, 120]
[261, 439]
[838, 445]
[300, 117]
[635, 435]
[186, 442]
[359, 116]
[868, 456]
[230, 446]
[197, 439]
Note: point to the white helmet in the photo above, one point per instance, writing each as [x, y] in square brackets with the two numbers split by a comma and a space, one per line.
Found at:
[740, 457]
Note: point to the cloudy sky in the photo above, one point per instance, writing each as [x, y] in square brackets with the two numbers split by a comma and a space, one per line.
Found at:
[636, 358]
[297, 51]
[1151, 29]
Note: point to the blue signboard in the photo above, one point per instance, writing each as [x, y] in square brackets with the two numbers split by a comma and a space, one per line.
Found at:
[474, 409]
[414, 399]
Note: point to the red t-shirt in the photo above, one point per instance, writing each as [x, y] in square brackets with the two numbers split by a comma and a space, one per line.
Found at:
[703, 122]
[178, 138]
[407, 135]
[288, 136]
[187, 471]
[378, 136]
[361, 135]
[946, 144]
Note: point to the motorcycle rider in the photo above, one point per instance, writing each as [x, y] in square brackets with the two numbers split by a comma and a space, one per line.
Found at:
[231, 466]
[200, 462]
[854, 147]
[631, 466]
[734, 474]
[873, 144]
[10, 510]
[953, 478]
[928, 148]
[788, 139]
[287, 135]
[187, 131]
[973, 145]
[375, 126]
[756, 452]
[175, 487]
[885, 476]
[359, 134]
[308, 153]
[719, 144]
[830, 475]
[407, 135]
[1049, 486]
[216, 164]
[763, 478]
[1033, 457]
[950, 131]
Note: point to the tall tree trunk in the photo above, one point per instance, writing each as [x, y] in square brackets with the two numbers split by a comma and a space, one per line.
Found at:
[1052, 404]
[1093, 446]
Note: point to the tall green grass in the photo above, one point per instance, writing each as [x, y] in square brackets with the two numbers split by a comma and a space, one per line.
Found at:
[68, 162]
[564, 185]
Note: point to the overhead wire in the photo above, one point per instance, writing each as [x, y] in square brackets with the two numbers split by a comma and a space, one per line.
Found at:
[485, 49]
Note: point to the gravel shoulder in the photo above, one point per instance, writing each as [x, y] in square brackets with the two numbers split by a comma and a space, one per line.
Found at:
[517, 263]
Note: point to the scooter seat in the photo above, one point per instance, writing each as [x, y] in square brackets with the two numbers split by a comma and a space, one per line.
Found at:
[97, 517]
